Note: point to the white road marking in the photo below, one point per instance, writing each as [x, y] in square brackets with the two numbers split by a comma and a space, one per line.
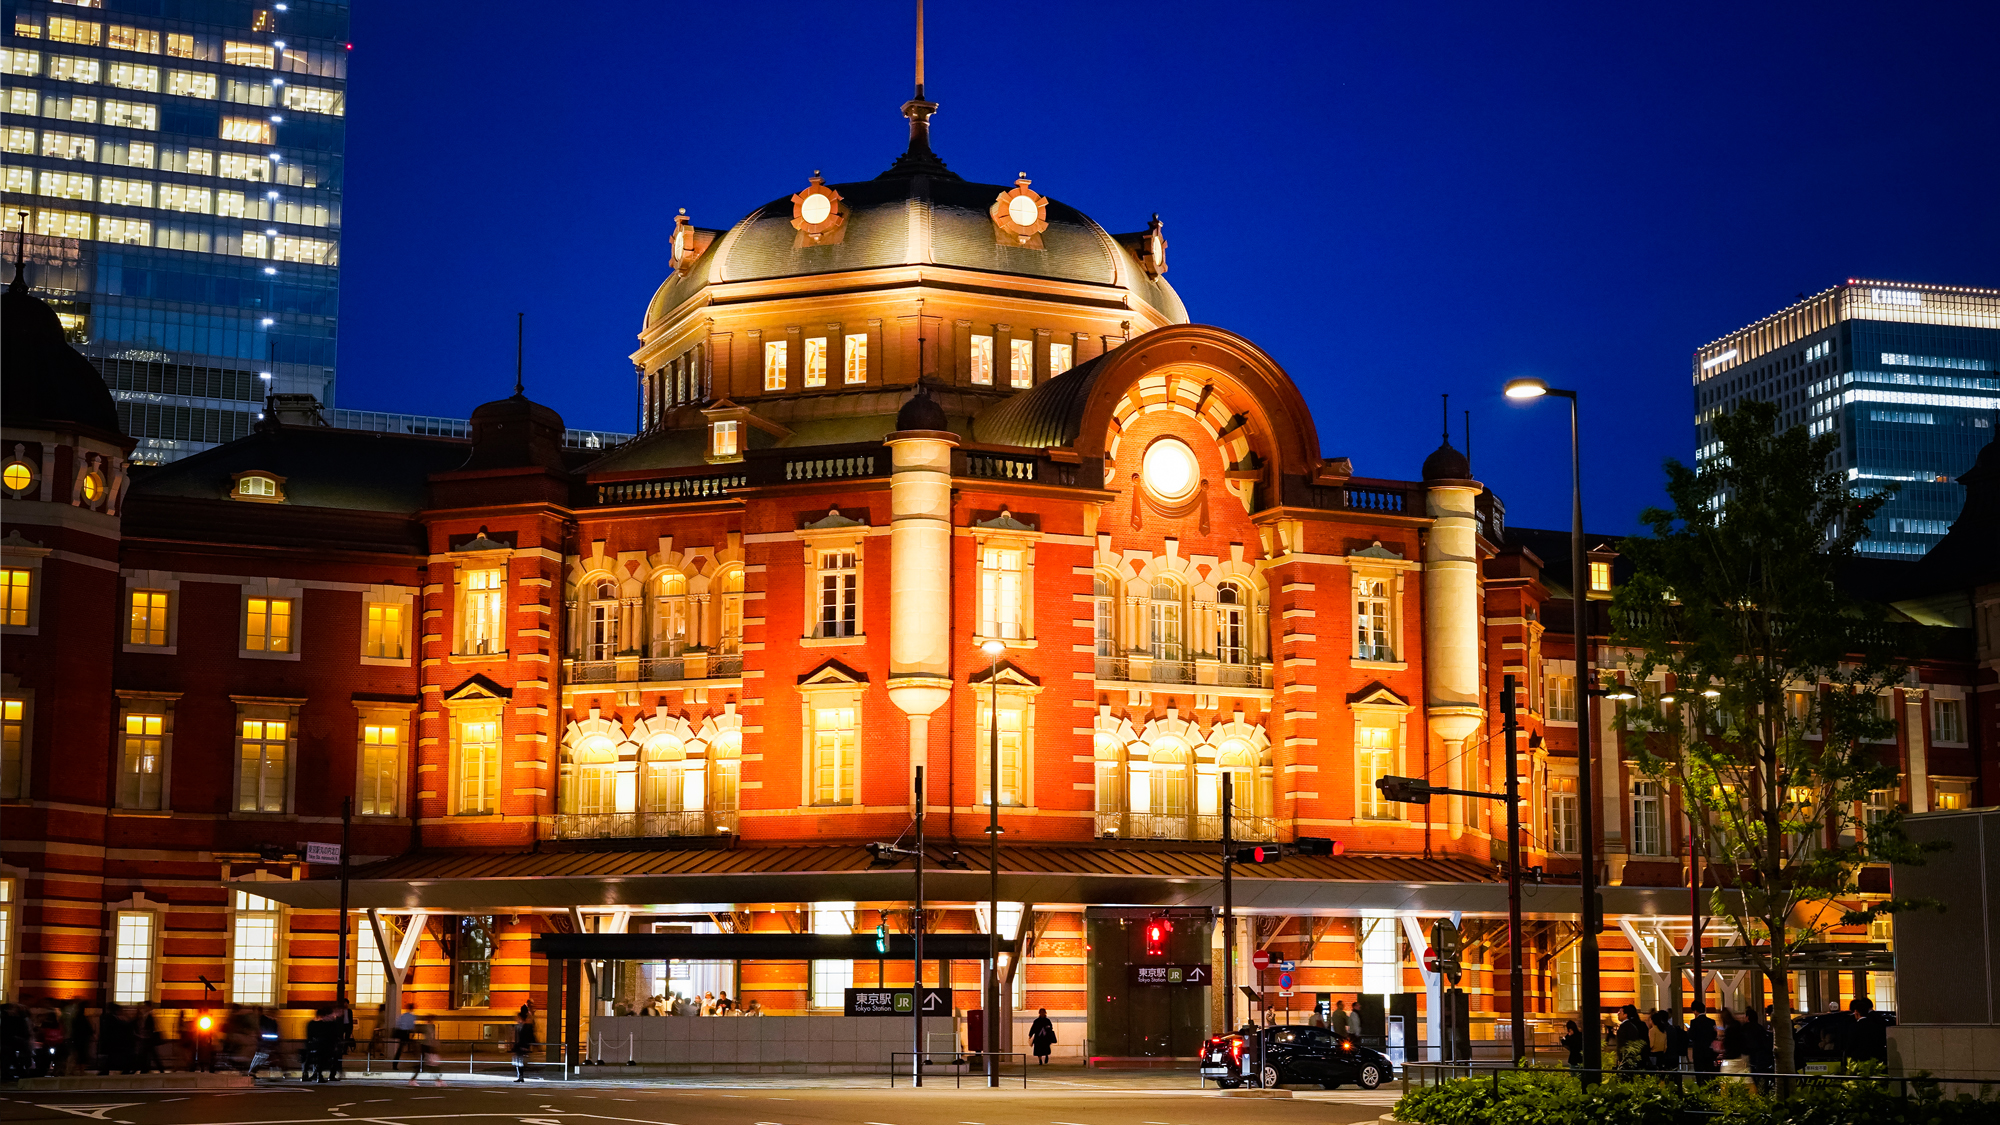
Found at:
[92, 1110]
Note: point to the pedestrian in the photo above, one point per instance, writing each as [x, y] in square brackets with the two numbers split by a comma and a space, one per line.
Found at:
[1341, 1022]
[524, 1041]
[1042, 1033]
[265, 1053]
[1868, 1038]
[1758, 1045]
[114, 1040]
[1632, 1039]
[427, 1053]
[1572, 1041]
[17, 1037]
[1667, 1041]
[78, 1035]
[404, 1031]
[1701, 1039]
[755, 1007]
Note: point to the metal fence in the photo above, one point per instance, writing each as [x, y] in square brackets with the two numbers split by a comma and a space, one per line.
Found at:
[960, 1065]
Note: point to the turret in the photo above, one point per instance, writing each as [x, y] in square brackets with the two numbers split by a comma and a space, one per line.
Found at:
[920, 564]
[1451, 615]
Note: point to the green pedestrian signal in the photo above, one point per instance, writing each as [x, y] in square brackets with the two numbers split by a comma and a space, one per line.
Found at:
[881, 937]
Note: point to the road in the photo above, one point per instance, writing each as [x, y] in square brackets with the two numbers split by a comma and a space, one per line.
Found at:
[381, 1103]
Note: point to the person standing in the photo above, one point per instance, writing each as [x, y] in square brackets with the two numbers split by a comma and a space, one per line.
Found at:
[1701, 1039]
[1572, 1041]
[1042, 1033]
[1758, 1045]
[404, 1031]
[1632, 1039]
[524, 1041]
[1341, 1022]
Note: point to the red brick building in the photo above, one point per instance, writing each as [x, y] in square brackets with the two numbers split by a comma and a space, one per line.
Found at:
[679, 685]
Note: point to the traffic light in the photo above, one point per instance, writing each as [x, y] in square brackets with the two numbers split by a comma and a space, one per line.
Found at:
[1260, 853]
[1317, 845]
[1407, 790]
[882, 937]
[1157, 930]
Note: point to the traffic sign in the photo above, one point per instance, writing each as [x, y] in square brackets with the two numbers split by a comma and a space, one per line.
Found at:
[1196, 976]
[1287, 966]
[322, 853]
[1285, 981]
[1261, 959]
[896, 1002]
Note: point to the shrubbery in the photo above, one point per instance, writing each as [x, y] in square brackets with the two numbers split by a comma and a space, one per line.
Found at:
[1553, 1097]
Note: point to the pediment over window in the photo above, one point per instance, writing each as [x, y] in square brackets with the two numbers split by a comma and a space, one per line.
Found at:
[832, 521]
[1376, 695]
[1005, 521]
[478, 689]
[1374, 550]
[831, 673]
[1010, 677]
[484, 542]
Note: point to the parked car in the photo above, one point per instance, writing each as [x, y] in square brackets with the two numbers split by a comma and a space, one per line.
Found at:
[1822, 1041]
[1298, 1055]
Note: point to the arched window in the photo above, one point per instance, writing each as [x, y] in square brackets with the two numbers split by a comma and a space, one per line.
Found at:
[673, 623]
[662, 786]
[729, 612]
[593, 776]
[1250, 798]
[601, 641]
[1164, 621]
[1232, 624]
[1110, 785]
[1103, 588]
[1160, 789]
[725, 764]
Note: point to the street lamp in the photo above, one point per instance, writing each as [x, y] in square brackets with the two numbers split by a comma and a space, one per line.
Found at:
[993, 649]
[1587, 990]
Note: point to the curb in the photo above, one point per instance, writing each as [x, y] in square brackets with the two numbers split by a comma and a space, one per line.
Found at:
[136, 1083]
[1252, 1093]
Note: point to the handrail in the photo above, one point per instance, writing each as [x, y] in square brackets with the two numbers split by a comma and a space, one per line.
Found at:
[958, 1065]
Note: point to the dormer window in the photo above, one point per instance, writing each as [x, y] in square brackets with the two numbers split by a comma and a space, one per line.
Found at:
[261, 487]
[723, 442]
[1600, 577]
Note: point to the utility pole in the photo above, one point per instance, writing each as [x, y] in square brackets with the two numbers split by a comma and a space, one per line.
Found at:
[1516, 992]
[346, 824]
[1228, 909]
[917, 945]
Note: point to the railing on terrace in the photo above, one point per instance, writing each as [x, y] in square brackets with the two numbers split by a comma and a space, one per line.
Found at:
[999, 466]
[590, 671]
[669, 488]
[1198, 673]
[1389, 498]
[831, 468]
[635, 825]
[653, 669]
[1168, 826]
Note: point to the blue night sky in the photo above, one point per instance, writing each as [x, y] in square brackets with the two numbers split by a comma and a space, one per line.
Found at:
[1394, 200]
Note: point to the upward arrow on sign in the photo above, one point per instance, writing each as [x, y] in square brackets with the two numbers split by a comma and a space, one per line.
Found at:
[1197, 973]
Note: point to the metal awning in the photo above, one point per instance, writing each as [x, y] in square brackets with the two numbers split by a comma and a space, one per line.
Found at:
[756, 947]
[1120, 873]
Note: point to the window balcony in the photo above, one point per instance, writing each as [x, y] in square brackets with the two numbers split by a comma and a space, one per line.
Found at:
[1139, 671]
[636, 825]
[689, 666]
[1168, 826]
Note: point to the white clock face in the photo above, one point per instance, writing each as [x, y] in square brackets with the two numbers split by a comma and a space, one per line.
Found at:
[815, 208]
[1023, 211]
[1170, 470]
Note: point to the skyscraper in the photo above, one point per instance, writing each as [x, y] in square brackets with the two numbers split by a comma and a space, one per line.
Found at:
[1903, 373]
[179, 179]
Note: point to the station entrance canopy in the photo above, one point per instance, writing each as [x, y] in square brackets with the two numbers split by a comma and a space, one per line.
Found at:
[1122, 873]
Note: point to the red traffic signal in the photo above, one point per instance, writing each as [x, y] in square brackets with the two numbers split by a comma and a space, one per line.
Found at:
[1317, 845]
[1156, 937]
[1260, 853]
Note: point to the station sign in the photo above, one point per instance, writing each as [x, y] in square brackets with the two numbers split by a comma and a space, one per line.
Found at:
[1195, 976]
[897, 1002]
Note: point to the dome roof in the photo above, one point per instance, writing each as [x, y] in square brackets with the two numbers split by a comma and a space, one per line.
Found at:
[923, 219]
[1447, 463]
[922, 412]
[515, 432]
[45, 383]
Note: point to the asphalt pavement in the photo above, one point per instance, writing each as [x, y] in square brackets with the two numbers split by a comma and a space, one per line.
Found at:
[1080, 1098]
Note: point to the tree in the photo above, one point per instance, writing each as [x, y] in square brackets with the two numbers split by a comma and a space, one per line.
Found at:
[1770, 721]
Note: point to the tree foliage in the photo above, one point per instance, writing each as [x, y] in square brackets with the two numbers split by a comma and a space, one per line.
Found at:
[1775, 724]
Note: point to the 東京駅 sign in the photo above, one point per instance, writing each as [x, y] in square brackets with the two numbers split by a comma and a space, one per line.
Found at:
[896, 1002]
[1194, 975]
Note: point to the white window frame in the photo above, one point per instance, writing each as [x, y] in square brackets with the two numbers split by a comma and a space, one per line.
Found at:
[1021, 362]
[831, 979]
[775, 359]
[1558, 677]
[1166, 620]
[725, 439]
[144, 706]
[980, 360]
[135, 965]
[1364, 596]
[1369, 803]
[1649, 832]
[402, 597]
[249, 916]
[1563, 810]
[249, 710]
[839, 564]
[483, 616]
[1004, 584]
[379, 792]
[1104, 613]
[1062, 357]
[267, 593]
[1016, 745]
[854, 358]
[1939, 735]
[168, 612]
[476, 793]
[816, 362]
[22, 728]
[833, 767]
[28, 559]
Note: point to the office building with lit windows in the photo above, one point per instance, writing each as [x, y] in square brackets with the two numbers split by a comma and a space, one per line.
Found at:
[178, 170]
[1907, 375]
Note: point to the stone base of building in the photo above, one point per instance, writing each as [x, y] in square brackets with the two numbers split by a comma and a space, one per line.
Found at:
[1967, 1051]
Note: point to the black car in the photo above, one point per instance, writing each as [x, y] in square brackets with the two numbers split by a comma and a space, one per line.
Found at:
[1297, 1055]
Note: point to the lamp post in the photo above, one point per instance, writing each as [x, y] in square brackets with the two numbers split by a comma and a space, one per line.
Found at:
[1587, 991]
[993, 649]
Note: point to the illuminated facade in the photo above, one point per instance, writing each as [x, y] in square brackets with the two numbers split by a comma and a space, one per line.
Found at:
[182, 183]
[1907, 375]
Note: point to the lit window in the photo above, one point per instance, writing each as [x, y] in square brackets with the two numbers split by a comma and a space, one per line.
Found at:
[254, 485]
[131, 115]
[478, 765]
[816, 361]
[472, 961]
[14, 60]
[268, 625]
[601, 637]
[247, 54]
[144, 766]
[1010, 753]
[1382, 957]
[255, 245]
[237, 166]
[312, 251]
[131, 76]
[13, 746]
[262, 20]
[832, 979]
[1163, 613]
[183, 47]
[725, 439]
[87, 33]
[1374, 759]
[182, 197]
[839, 597]
[148, 624]
[1000, 593]
[69, 68]
[1562, 815]
[262, 766]
[64, 185]
[1600, 577]
[1101, 602]
[729, 630]
[123, 38]
[1648, 822]
[6, 931]
[383, 638]
[1951, 795]
[132, 232]
[381, 757]
[1948, 720]
[128, 193]
[1559, 690]
[485, 612]
[1373, 634]
[833, 755]
[65, 146]
[774, 365]
[252, 130]
[253, 955]
[307, 99]
[1232, 624]
[16, 587]
[854, 349]
[19, 474]
[1062, 357]
[18, 141]
[248, 93]
[1021, 362]
[132, 973]
[24, 101]
[370, 983]
[27, 25]
[982, 360]
[191, 84]
[193, 161]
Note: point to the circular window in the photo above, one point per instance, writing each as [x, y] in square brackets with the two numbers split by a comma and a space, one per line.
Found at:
[1170, 470]
[815, 208]
[93, 487]
[1023, 210]
[17, 476]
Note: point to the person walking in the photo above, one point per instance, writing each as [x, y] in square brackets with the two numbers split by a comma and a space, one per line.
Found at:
[427, 1054]
[1632, 1039]
[405, 1030]
[1342, 1022]
[1667, 1041]
[1759, 1047]
[1868, 1037]
[1042, 1033]
[524, 1041]
[1572, 1041]
[1701, 1039]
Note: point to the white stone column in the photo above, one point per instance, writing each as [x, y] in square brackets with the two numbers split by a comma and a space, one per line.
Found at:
[920, 578]
[1451, 630]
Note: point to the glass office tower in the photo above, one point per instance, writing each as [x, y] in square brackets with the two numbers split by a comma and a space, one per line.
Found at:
[177, 166]
[1904, 374]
